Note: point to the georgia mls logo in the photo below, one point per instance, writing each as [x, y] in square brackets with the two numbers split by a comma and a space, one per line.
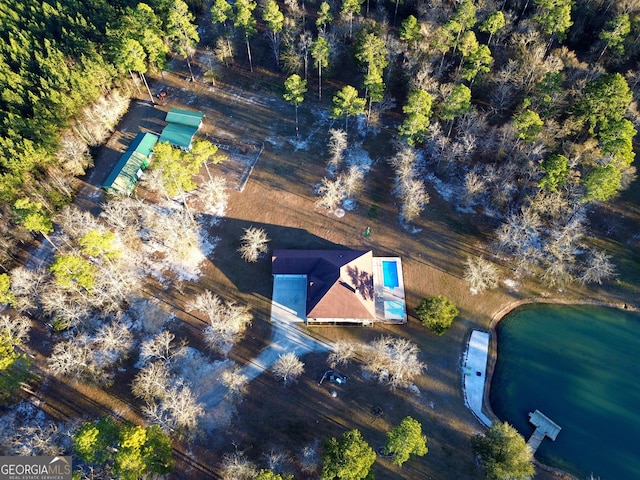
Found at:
[35, 468]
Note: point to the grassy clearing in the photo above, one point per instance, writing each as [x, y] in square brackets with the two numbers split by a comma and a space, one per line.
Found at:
[279, 198]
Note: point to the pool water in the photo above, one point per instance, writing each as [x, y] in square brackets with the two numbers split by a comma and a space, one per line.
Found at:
[390, 274]
[393, 310]
[579, 366]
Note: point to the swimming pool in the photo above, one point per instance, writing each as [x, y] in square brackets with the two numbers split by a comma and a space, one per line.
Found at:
[390, 274]
[393, 310]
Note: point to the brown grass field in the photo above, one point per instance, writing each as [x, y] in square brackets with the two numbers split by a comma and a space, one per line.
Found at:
[279, 198]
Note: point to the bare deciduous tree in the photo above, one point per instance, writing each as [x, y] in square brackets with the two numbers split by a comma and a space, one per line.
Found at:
[394, 361]
[520, 234]
[277, 460]
[236, 383]
[235, 466]
[26, 285]
[112, 343]
[343, 352]
[408, 188]
[90, 128]
[210, 304]
[213, 193]
[309, 458]
[331, 192]
[151, 382]
[236, 319]
[473, 187]
[337, 145]
[122, 212]
[253, 244]
[161, 347]
[177, 411]
[227, 320]
[480, 274]
[83, 357]
[557, 274]
[65, 309]
[598, 267]
[73, 153]
[16, 327]
[33, 439]
[288, 368]
[75, 222]
[352, 181]
[414, 199]
[176, 230]
[72, 358]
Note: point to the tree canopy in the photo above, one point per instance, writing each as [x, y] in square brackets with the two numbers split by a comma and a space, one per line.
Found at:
[177, 168]
[129, 450]
[604, 99]
[406, 439]
[415, 127]
[504, 453]
[14, 363]
[294, 89]
[457, 103]
[348, 458]
[554, 16]
[437, 313]
[347, 103]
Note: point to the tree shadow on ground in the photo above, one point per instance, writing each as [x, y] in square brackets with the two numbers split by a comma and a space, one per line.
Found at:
[255, 278]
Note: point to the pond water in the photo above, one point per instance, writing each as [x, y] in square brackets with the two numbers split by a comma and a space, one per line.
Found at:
[580, 366]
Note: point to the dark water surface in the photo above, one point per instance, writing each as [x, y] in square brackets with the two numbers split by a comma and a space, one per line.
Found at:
[580, 366]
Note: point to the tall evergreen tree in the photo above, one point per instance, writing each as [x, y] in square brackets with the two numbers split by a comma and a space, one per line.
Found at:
[181, 32]
[504, 453]
[274, 20]
[244, 19]
[320, 51]
[295, 88]
[348, 458]
[415, 127]
[347, 103]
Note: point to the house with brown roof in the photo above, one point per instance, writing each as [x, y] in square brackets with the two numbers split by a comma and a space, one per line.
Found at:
[337, 287]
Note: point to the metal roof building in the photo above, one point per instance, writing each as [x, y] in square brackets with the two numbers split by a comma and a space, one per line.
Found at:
[182, 126]
[126, 172]
[184, 117]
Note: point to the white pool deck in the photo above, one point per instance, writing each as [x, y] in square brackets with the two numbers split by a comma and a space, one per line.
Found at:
[390, 302]
[474, 372]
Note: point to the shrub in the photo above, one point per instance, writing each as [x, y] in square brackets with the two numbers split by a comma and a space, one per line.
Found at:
[437, 313]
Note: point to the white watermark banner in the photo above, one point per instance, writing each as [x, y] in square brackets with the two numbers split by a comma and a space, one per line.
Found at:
[35, 468]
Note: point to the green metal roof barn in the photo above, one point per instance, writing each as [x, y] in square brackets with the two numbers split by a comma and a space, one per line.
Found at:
[185, 117]
[127, 171]
[182, 126]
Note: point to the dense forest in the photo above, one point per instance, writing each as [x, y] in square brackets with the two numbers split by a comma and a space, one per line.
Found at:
[521, 110]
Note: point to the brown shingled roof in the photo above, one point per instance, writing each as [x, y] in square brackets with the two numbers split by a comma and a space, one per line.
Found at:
[340, 282]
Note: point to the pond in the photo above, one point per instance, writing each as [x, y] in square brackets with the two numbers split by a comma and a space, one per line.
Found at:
[579, 366]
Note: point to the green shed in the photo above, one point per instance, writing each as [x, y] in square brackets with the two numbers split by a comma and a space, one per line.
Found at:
[127, 171]
[182, 126]
[185, 117]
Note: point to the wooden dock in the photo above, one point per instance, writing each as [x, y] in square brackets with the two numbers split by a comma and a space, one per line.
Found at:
[545, 427]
